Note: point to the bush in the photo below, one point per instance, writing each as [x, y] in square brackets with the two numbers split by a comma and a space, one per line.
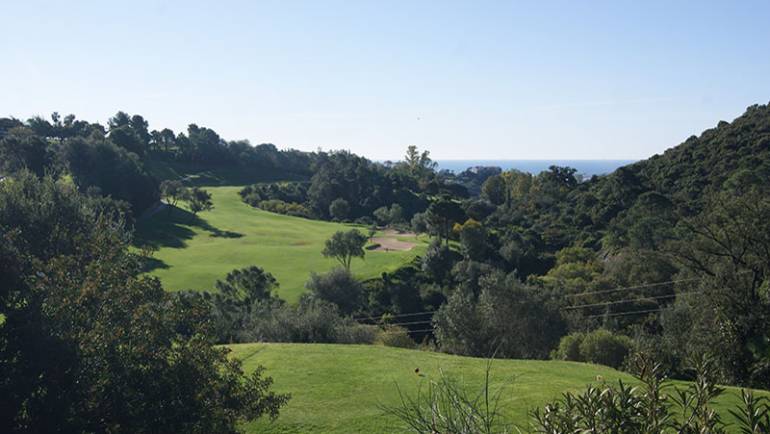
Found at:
[339, 209]
[288, 208]
[507, 319]
[569, 348]
[605, 348]
[395, 336]
[311, 321]
[339, 287]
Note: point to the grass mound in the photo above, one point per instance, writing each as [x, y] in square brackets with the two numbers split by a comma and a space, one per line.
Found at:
[195, 251]
[340, 388]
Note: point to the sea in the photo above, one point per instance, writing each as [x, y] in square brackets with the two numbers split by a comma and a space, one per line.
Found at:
[586, 168]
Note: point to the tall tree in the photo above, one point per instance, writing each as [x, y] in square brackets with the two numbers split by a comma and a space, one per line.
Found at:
[344, 246]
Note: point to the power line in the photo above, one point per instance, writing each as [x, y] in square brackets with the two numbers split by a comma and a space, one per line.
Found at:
[636, 312]
[629, 288]
[628, 300]
[378, 317]
[407, 331]
[408, 323]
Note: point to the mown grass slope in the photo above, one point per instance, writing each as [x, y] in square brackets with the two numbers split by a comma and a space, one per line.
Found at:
[195, 251]
[341, 388]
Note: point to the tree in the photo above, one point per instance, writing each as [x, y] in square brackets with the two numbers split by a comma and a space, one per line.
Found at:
[728, 246]
[247, 285]
[438, 261]
[21, 149]
[339, 209]
[91, 345]
[238, 296]
[337, 286]
[418, 164]
[382, 214]
[495, 189]
[473, 239]
[172, 192]
[442, 215]
[199, 200]
[344, 246]
[507, 319]
[99, 165]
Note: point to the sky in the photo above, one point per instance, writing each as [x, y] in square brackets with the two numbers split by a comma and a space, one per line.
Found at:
[464, 80]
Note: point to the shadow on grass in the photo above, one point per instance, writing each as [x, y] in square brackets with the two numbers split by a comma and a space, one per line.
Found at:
[172, 227]
[150, 263]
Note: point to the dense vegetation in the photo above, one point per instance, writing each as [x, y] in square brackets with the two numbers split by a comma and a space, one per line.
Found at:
[668, 258]
[87, 344]
[116, 160]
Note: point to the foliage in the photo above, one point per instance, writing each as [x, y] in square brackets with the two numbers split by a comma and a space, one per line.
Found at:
[337, 286]
[339, 209]
[172, 192]
[507, 319]
[441, 217]
[89, 346]
[199, 200]
[21, 149]
[438, 262]
[447, 407]
[344, 246]
[236, 297]
[286, 208]
[99, 166]
[599, 346]
[395, 336]
[473, 239]
[310, 321]
[649, 409]
[293, 192]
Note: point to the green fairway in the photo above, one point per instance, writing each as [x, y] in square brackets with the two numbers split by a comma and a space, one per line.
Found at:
[195, 252]
[339, 388]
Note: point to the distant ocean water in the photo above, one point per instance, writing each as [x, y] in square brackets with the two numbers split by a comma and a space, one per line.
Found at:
[584, 167]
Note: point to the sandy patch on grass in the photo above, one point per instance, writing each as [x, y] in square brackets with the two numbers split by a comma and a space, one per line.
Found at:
[389, 242]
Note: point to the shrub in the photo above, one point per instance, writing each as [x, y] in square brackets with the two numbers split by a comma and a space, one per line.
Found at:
[311, 321]
[339, 209]
[569, 348]
[605, 348]
[288, 208]
[395, 336]
[507, 318]
[337, 286]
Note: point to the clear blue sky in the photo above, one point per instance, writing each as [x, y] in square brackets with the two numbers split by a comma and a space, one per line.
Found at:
[471, 79]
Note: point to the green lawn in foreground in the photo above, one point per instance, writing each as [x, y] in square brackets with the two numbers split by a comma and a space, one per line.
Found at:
[195, 252]
[338, 388]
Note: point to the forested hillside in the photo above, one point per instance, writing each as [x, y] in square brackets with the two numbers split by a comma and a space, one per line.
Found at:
[667, 260]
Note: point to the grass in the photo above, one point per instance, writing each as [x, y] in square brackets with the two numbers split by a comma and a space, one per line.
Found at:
[195, 251]
[340, 388]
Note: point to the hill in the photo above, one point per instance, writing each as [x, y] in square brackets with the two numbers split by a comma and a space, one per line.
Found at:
[340, 388]
[196, 251]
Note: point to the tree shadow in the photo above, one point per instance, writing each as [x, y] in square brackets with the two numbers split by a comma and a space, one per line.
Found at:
[150, 263]
[170, 227]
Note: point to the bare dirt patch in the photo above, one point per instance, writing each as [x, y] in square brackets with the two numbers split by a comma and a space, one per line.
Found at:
[389, 242]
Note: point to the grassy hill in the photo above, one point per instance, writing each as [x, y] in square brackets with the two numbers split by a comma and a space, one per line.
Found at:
[339, 388]
[196, 251]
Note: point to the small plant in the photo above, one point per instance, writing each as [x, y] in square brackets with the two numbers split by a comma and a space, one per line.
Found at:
[654, 407]
[446, 406]
[754, 414]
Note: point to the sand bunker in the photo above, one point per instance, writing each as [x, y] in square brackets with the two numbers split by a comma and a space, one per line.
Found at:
[389, 242]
